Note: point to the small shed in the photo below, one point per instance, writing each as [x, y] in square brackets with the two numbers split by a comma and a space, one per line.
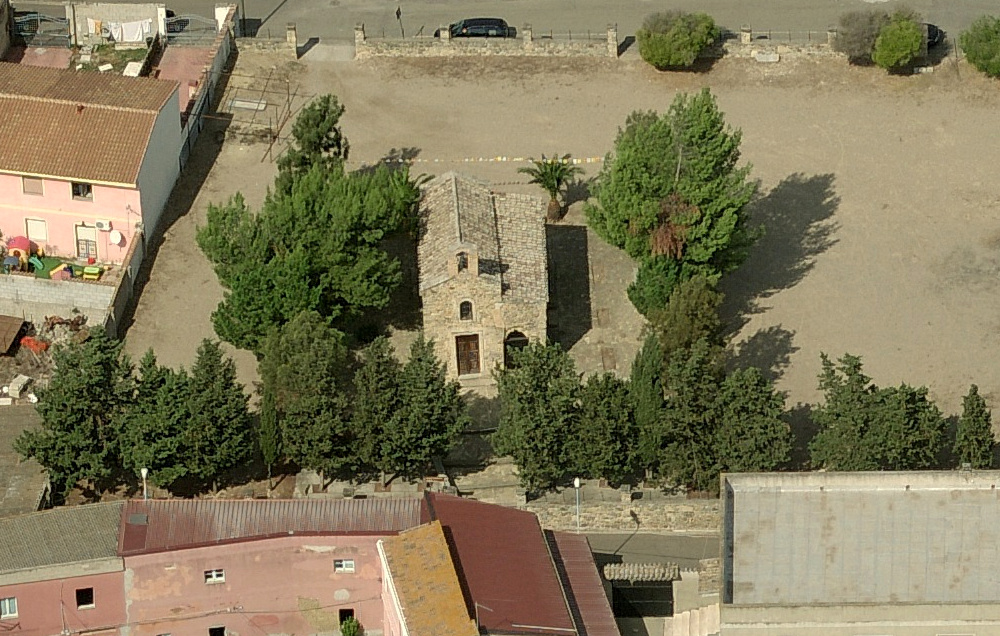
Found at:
[11, 330]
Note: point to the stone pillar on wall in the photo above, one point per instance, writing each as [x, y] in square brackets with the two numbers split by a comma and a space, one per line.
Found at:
[831, 36]
[746, 35]
[292, 36]
[613, 40]
[359, 34]
[528, 37]
[446, 33]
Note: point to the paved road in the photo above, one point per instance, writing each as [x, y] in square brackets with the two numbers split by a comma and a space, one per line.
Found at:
[333, 21]
[654, 548]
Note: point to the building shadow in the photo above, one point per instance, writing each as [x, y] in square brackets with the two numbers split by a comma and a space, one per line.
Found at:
[625, 44]
[570, 314]
[305, 48]
[769, 349]
[796, 222]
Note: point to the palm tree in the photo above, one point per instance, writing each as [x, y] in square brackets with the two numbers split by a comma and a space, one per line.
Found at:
[552, 174]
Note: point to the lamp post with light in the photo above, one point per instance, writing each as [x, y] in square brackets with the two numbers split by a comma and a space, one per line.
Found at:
[144, 472]
[576, 485]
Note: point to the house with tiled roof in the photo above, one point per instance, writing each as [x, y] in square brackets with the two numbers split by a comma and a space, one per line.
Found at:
[87, 160]
[483, 274]
[435, 565]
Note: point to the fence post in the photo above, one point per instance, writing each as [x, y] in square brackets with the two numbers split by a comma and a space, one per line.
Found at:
[359, 40]
[292, 36]
[746, 35]
[528, 37]
[445, 34]
[613, 41]
[831, 36]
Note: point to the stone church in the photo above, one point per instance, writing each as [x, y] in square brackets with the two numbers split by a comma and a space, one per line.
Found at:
[483, 274]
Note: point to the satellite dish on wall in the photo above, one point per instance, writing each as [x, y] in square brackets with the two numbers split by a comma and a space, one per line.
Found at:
[116, 238]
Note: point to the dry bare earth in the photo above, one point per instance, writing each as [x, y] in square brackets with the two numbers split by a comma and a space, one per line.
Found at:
[879, 200]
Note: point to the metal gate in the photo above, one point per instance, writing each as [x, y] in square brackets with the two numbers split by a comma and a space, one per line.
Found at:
[191, 30]
[38, 29]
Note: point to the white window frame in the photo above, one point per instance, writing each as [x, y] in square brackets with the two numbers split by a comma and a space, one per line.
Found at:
[39, 181]
[213, 577]
[34, 237]
[8, 607]
[343, 566]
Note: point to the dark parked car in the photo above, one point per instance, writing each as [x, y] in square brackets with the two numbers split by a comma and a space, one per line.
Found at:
[480, 28]
[935, 35]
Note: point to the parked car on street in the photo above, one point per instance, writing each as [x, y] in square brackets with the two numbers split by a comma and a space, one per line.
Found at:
[480, 28]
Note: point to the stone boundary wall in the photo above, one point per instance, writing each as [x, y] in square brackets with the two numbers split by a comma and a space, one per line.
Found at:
[6, 25]
[525, 45]
[691, 516]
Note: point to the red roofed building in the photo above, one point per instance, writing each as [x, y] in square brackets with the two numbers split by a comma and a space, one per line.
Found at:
[435, 566]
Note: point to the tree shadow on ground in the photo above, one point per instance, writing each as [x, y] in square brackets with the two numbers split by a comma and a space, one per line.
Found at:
[395, 159]
[569, 313]
[804, 429]
[796, 218]
[769, 349]
[577, 190]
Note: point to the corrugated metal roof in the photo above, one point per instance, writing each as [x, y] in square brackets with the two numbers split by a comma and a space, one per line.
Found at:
[61, 536]
[505, 565]
[184, 523]
[584, 588]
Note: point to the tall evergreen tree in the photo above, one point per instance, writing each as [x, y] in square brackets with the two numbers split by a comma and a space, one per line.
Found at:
[80, 409]
[431, 416]
[220, 430]
[645, 390]
[691, 313]
[539, 411]
[316, 140]
[751, 436]
[603, 446]
[974, 440]
[376, 399]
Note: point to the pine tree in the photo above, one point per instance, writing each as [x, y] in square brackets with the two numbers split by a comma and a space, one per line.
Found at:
[431, 416]
[974, 440]
[603, 445]
[317, 140]
[376, 400]
[81, 409]
[645, 389]
[539, 411]
[220, 432]
[751, 436]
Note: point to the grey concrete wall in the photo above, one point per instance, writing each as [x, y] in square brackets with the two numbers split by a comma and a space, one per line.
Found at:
[161, 164]
[122, 300]
[77, 14]
[25, 295]
[208, 81]
[695, 516]
[852, 620]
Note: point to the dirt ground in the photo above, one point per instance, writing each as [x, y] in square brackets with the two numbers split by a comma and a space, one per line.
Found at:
[878, 198]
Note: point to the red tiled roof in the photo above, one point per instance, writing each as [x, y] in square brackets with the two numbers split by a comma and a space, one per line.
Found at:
[504, 563]
[584, 588]
[65, 124]
[171, 524]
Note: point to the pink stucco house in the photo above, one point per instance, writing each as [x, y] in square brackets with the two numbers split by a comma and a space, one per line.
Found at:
[402, 567]
[88, 158]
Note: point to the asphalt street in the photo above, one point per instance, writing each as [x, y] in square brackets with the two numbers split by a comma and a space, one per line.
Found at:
[332, 21]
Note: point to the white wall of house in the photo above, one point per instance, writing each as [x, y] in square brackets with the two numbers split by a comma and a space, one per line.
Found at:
[161, 165]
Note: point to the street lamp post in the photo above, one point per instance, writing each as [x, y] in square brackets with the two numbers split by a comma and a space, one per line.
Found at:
[576, 485]
[144, 472]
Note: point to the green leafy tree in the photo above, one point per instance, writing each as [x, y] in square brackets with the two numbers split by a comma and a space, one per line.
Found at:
[645, 390]
[898, 43]
[376, 399]
[691, 313]
[857, 32]
[81, 408]
[604, 444]
[974, 440]
[431, 416]
[863, 427]
[981, 44]
[317, 247]
[539, 410]
[552, 174]
[751, 436]
[155, 425]
[675, 39]
[303, 380]
[671, 195]
[219, 433]
[316, 140]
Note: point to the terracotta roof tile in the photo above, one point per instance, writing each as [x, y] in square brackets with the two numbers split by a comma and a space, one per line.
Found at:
[424, 580]
[73, 125]
[61, 536]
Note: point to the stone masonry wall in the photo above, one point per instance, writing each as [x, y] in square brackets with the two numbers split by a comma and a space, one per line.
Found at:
[694, 516]
[525, 45]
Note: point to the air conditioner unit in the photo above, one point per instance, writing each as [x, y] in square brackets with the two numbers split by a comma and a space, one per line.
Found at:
[104, 226]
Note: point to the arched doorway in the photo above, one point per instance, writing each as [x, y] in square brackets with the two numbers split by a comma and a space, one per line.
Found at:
[515, 340]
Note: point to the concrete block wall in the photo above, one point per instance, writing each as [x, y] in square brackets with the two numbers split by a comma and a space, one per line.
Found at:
[77, 14]
[26, 296]
[525, 46]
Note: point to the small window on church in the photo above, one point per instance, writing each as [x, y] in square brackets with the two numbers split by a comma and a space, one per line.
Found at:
[463, 261]
[465, 311]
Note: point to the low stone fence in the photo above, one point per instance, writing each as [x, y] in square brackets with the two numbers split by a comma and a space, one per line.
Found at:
[525, 45]
[689, 516]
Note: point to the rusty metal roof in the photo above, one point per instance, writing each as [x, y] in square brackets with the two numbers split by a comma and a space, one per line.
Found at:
[584, 588]
[10, 329]
[161, 525]
[503, 561]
